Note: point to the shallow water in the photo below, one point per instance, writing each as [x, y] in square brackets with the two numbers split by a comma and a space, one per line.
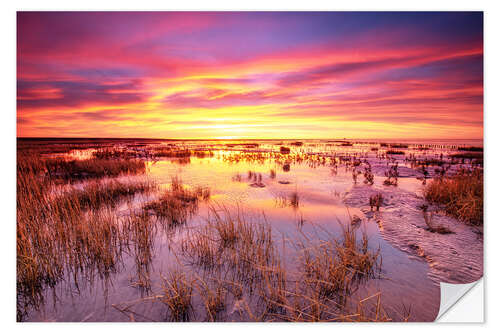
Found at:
[327, 200]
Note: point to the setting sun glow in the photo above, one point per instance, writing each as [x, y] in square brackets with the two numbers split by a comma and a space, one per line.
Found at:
[250, 75]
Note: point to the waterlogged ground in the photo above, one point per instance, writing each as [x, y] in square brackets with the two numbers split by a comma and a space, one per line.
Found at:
[414, 260]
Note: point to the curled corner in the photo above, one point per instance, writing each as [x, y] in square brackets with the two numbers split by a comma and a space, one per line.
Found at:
[451, 294]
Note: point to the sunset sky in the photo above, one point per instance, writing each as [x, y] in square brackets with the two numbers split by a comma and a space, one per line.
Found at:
[250, 74]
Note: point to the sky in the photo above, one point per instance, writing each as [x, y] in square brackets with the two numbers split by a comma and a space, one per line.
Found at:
[229, 75]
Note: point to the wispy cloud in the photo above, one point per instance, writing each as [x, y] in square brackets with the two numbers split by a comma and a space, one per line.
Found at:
[250, 74]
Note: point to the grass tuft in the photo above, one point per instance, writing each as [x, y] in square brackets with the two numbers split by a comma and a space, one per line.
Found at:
[178, 290]
[460, 194]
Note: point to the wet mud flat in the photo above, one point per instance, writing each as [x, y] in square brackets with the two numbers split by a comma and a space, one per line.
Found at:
[455, 256]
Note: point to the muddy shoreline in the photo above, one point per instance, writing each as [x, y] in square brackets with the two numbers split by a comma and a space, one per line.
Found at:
[456, 257]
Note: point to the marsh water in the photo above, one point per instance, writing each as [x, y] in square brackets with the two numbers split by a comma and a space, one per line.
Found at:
[254, 180]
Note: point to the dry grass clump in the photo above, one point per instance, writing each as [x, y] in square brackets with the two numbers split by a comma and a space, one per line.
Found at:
[97, 242]
[294, 199]
[114, 153]
[237, 178]
[68, 233]
[71, 170]
[246, 253]
[283, 199]
[214, 298]
[177, 204]
[392, 176]
[230, 241]
[356, 256]
[228, 230]
[35, 248]
[273, 290]
[324, 274]
[178, 291]
[203, 153]
[331, 270]
[398, 145]
[369, 176]
[284, 150]
[202, 192]
[201, 249]
[171, 152]
[376, 201]
[427, 162]
[395, 152]
[256, 179]
[240, 264]
[332, 267]
[62, 233]
[178, 152]
[54, 240]
[468, 155]
[99, 193]
[255, 249]
[140, 230]
[370, 309]
[460, 194]
[470, 149]
[474, 156]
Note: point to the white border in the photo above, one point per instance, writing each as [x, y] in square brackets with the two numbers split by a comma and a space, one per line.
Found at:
[8, 132]
[461, 310]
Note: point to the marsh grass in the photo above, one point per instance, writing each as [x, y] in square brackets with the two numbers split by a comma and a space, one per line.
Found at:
[281, 200]
[141, 233]
[65, 234]
[366, 312]
[376, 201]
[178, 152]
[273, 290]
[284, 150]
[461, 195]
[247, 252]
[114, 153]
[249, 273]
[214, 296]
[237, 178]
[178, 292]
[332, 268]
[475, 157]
[294, 199]
[228, 241]
[368, 174]
[476, 149]
[177, 204]
[79, 234]
[398, 145]
[467, 155]
[392, 175]
[71, 170]
[395, 152]
[96, 194]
